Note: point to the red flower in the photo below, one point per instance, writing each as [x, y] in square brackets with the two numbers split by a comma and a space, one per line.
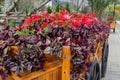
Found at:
[65, 17]
[60, 23]
[52, 15]
[94, 14]
[53, 23]
[35, 17]
[17, 28]
[64, 11]
[45, 24]
[45, 14]
[96, 19]
[90, 15]
[29, 21]
[88, 21]
[76, 23]
[23, 26]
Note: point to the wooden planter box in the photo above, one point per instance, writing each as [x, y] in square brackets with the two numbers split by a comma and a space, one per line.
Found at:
[52, 72]
[112, 24]
[56, 69]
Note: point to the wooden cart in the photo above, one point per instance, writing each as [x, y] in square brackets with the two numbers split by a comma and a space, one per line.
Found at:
[111, 22]
[57, 69]
[112, 25]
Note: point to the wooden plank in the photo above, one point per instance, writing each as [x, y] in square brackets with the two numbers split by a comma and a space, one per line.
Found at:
[54, 75]
[15, 77]
[66, 63]
[9, 78]
[51, 76]
[98, 54]
[45, 77]
[39, 73]
[47, 66]
[60, 73]
[0, 78]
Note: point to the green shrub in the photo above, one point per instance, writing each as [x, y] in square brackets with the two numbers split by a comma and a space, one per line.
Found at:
[117, 7]
[117, 16]
[49, 9]
[11, 23]
[111, 8]
[28, 10]
[85, 9]
[68, 7]
[57, 8]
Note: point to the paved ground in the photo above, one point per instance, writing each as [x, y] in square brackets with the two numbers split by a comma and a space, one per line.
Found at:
[113, 71]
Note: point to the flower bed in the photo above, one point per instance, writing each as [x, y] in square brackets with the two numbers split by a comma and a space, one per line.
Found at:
[23, 48]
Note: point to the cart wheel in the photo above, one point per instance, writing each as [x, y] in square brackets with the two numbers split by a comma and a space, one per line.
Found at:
[114, 30]
[94, 72]
[104, 59]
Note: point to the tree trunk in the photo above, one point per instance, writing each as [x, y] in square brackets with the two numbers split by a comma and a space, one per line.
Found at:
[114, 9]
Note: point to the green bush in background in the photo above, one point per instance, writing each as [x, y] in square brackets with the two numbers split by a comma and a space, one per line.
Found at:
[117, 16]
[11, 23]
[28, 10]
[111, 7]
[117, 7]
[110, 11]
[57, 8]
[49, 10]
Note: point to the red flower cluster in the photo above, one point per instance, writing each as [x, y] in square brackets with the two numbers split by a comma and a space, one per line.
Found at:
[35, 17]
[62, 18]
[89, 19]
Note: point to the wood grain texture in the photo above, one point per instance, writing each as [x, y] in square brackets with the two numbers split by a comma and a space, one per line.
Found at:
[52, 72]
[66, 63]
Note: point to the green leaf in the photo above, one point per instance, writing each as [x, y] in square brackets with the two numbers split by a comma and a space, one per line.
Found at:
[58, 8]
[67, 7]
[49, 10]
[26, 32]
[6, 50]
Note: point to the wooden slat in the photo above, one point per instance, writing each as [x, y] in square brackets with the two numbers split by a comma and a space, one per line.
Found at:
[39, 73]
[66, 63]
[15, 77]
[100, 51]
[98, 54]
[51, 75]
[59, 74]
